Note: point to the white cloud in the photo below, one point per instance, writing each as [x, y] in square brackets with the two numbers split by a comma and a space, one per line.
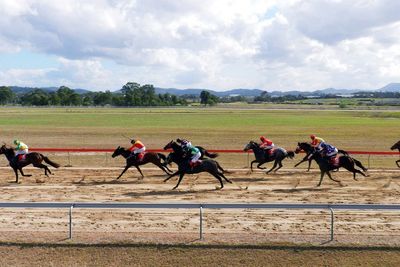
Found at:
[215, 44]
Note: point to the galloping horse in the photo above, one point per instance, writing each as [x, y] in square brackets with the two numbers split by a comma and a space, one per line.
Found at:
[207, 165]
[279, 154]
[33, 158]
[177, 153]
[203, 152]
[309, 150]
[149, 157]
[396, 146]
[345, 161]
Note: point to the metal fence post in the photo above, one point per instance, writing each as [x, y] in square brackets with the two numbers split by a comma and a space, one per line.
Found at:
[332, 220]
[201, 222]
[70, 222]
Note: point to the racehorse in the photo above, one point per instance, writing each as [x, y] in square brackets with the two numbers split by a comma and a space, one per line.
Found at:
[278, 155]
[33, 158]
[177, 153]
[396, 146]
[309, 150]
[206, 165]
[345, 161]
[203, 151]
[149, 157]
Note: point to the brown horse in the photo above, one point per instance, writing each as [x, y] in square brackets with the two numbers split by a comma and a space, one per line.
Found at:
[396, 146]
[33, 158]
[149, 157]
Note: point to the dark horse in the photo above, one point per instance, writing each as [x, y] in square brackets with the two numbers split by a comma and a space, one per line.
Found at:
[149, 157]
[207, 165]
[278, 155]
[177, 153]
[396, 146]
[345, 161]
[33, 158]
[203, 152]
[309, 150]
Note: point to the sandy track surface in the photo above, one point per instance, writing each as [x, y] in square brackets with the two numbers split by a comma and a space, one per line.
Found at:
[248, 226]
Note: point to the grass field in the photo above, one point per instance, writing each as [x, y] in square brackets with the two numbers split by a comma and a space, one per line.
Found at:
[212, 127]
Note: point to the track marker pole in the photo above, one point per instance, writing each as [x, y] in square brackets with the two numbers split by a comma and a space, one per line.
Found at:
[70, 222]
[201, 222]
[332, 220]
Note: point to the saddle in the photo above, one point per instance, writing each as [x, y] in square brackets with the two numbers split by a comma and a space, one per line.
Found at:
[334, 161]
[140, 156]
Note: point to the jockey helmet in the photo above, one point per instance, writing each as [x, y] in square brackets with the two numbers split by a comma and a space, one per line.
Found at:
[16, 142]
[179, 140]
[312, 136]
[262, 138]
[133, 141]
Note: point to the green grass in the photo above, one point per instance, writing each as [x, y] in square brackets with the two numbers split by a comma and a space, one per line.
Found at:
[215, 127]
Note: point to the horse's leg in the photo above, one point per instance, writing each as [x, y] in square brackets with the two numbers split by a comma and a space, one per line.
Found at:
[322, 176]
[126, 168]
[159, 165]
[354, 171]
[223, 176]
[216, 175]
[16, 175]
[359, 164]
[172, 175]
[137, 167]
[330, 177]
[42, 166]
[273, 167]
[259, 165]
[309, 164]
[23, 174]
[251, 164]
[280, 166]
[179, 181]
[303, 160]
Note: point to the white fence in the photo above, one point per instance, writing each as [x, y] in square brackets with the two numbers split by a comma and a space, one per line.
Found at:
[200, 207]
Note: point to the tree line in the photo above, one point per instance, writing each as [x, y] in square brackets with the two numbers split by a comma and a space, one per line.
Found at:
[132, 94]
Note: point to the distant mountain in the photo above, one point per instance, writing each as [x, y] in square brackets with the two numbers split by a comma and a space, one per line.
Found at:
[24, 90]
[391, 87]
[196, 92]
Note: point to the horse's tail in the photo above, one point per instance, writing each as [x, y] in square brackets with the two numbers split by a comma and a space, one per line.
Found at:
[210, 155]
[290, 154]
[163, 157]
[52, 163]
[343, 152]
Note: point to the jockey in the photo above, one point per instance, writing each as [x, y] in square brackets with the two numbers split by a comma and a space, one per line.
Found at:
[316, 141]
[266, 144]
[183, 142]
[328, 151]
[194, 154]
[21, 149]
[137, 149]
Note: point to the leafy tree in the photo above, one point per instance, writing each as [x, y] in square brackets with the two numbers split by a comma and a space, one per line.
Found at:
[36, 97]
[206, 98]
[6, 95]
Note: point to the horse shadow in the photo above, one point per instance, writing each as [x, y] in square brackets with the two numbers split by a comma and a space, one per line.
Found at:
[167, 193]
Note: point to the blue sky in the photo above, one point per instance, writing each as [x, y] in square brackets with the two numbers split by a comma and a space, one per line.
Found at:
[220, 45]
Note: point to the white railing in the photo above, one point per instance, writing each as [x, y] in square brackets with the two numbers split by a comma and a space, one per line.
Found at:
[200, 206]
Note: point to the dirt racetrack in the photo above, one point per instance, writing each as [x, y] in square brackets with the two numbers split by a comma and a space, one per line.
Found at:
[165, 226]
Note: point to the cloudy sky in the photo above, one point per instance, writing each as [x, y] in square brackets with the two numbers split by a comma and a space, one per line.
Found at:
[214, 44]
